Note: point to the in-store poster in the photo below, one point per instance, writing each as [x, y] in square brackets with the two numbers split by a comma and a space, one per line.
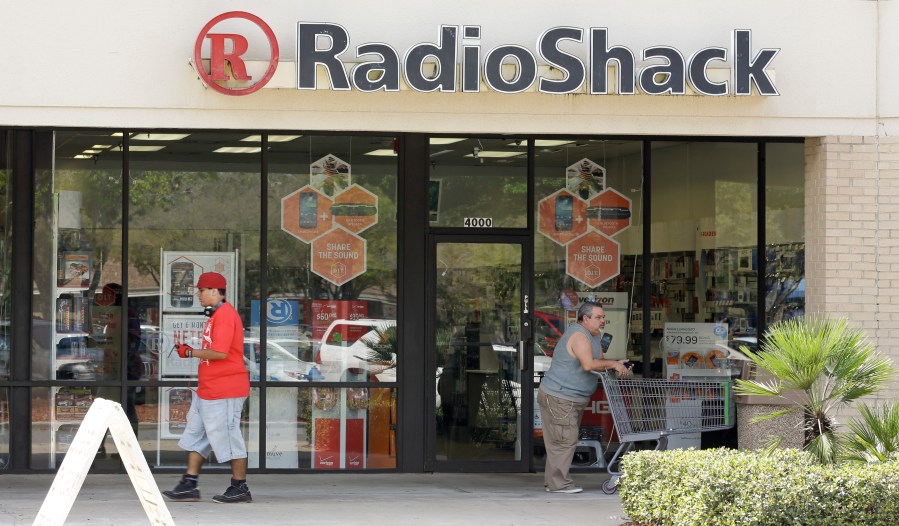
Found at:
[329, 213]
[180, 272]
[582, 217]
[694, 349]
[615, 306]
[177, 329]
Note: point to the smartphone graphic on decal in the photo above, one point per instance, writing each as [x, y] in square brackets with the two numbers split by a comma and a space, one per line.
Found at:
[308, 210]
[564, 209]
[605, 342]
[182, 284]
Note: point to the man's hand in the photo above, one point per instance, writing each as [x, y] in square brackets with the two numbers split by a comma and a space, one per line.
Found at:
[184, 351]
[623, 367]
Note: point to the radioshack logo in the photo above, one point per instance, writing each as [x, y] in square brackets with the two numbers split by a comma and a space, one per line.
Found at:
[225, 69]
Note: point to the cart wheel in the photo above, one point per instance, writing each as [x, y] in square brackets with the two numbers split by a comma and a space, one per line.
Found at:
[609, 487]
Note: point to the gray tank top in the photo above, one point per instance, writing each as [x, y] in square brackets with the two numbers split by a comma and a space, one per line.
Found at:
[566, 378]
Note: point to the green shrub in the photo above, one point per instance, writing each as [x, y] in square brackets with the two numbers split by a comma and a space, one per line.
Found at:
[723, 487]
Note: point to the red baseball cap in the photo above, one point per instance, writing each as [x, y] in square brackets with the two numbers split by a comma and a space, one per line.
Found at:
[211, 280]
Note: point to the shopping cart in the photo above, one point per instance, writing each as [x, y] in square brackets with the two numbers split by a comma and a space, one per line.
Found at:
[650, 410]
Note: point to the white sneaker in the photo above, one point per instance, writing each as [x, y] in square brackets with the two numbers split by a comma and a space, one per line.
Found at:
[569, 489]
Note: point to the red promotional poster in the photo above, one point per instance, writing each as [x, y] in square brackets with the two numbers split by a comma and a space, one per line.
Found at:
[326, 311]
[326, 438]
[355, 443]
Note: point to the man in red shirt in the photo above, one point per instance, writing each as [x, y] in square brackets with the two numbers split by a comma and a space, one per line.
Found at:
[213, 423]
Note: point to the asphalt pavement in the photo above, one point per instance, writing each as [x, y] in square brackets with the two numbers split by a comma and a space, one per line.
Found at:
[370, 499]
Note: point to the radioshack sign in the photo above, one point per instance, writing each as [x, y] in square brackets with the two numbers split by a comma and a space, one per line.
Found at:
[456, 62]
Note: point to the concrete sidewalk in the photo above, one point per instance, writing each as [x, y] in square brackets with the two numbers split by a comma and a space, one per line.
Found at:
[332, 499]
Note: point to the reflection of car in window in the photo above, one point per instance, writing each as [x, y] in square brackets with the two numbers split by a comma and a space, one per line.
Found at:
[548, 329]
[284, 360]
[355, 347]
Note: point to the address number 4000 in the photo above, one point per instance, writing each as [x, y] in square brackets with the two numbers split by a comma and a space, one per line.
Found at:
[478, 222]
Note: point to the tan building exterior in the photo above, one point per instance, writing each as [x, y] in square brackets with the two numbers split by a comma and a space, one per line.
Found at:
[90, 90]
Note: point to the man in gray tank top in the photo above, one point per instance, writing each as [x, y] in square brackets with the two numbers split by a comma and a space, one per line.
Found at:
[566, 389]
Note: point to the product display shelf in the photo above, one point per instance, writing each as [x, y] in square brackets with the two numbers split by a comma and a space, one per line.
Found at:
[727, 287]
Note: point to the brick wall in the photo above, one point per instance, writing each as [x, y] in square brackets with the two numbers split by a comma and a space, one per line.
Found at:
[852, 236]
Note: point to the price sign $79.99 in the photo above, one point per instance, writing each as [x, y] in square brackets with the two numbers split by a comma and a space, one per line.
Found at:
[682, 340]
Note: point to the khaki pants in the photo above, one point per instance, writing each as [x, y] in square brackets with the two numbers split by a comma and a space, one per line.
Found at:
[561, 428]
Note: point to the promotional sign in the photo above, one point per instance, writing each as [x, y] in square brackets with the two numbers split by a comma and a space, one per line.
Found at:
[585, 178]
[180, 272]
[282, 319]
[355, 209]
[581, 217]
[178, 329]
[306, 214]
[330, 175]
[694, 349]
[593, 259]
[326, 311]
[691, 352]
[561, 216]
[609, 212]
[173, 408]
[328, 213]
[339, 256]
[282, 436]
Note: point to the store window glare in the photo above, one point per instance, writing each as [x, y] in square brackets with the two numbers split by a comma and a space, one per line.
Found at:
[546, 143]
[134, 148]
[495, 154]
[158, 136]
[445, 140]
[382, 153]
[271, 138]
[238, 149]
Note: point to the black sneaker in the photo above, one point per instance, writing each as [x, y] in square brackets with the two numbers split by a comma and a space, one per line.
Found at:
[185, 491]
[239, 493]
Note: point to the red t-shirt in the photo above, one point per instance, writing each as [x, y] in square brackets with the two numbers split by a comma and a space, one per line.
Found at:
[226, 378]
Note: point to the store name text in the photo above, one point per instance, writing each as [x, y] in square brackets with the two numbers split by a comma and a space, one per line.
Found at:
[671, 77]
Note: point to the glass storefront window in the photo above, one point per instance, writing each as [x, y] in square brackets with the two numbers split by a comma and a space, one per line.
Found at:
[784, 232]
[194, 207]
[77, 265]
[589, 238]
[478, 182]
[588, 245]
[78, 252]
[332, 300]
[705, 263]
[332, 260]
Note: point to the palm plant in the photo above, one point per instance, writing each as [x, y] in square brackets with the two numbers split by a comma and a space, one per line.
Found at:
[874, 436]
[817, 366]
[383, 342]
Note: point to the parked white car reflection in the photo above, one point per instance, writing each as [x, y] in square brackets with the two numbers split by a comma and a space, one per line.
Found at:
[357, 350]
[283, 362]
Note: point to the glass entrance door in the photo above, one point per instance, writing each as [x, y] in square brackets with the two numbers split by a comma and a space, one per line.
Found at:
[480, 324]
